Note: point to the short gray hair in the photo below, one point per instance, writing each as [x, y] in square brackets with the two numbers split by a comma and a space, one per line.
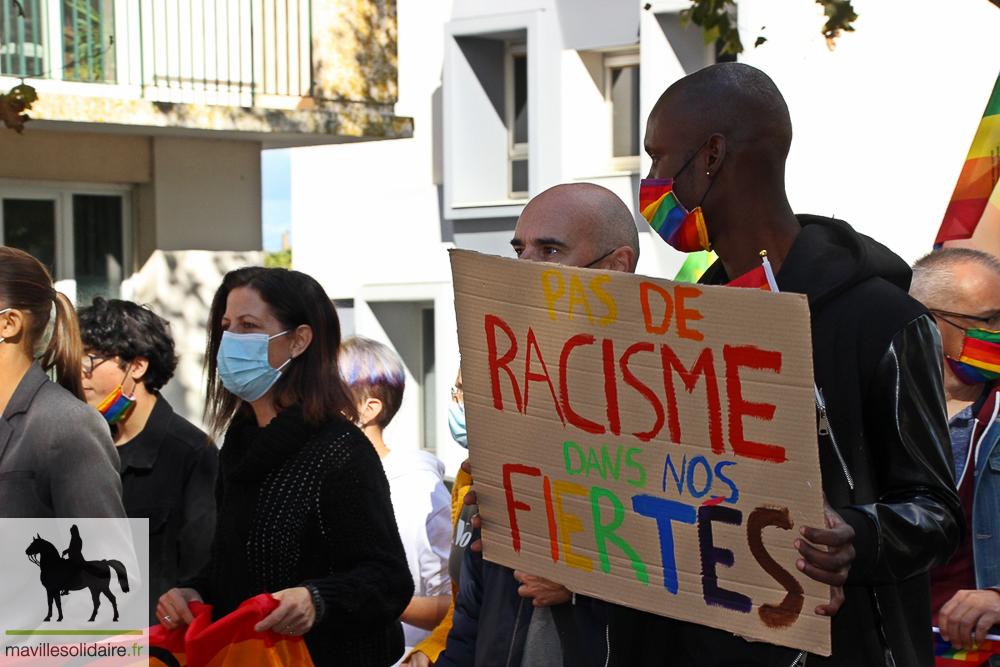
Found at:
[933, 281]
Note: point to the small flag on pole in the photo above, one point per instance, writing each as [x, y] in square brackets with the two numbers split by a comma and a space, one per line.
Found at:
[945, 655]
[976, 200]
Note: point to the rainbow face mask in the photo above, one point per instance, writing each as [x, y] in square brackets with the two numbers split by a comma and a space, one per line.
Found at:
[117, 406]
[682, 229]
[979, 360]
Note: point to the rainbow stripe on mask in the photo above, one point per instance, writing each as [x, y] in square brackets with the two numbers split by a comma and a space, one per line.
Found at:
[979, 360]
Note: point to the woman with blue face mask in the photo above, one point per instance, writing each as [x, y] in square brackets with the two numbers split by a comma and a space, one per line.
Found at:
[304, 507]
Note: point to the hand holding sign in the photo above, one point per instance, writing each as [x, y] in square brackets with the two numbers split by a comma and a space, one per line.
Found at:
[472, 499]
[651, 444]
[544, 593]
[830, 566]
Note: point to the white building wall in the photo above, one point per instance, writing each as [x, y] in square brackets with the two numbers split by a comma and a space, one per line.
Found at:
[367, 224]
[881, 128]
[882, 124]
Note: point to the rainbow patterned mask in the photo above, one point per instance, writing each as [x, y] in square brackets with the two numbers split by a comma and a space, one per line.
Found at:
[117, 406]
[979, 360]
[682, 229]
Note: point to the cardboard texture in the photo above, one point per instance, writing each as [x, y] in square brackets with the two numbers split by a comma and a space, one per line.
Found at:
[646, 442]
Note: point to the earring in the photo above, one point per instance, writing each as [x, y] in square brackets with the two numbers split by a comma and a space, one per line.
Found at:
[708, 173]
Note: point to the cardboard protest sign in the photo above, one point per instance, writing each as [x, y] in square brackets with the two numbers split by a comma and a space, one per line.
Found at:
[646, 442]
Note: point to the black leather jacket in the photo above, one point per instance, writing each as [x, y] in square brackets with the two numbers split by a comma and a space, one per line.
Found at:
[885, 462]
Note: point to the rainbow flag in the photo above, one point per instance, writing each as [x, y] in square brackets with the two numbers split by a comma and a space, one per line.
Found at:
[694, 266]
[946, 656]
[976, 200]
[755, 279]
[229, 642]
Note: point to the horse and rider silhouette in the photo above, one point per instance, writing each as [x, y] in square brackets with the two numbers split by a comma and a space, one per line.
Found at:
[61, 575]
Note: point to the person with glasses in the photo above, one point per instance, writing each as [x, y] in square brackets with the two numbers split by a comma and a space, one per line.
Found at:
[510, 617]
[168, 465]
[56, 455]
[961, 287]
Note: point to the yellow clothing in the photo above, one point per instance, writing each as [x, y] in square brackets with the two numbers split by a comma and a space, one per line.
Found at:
[434, 644]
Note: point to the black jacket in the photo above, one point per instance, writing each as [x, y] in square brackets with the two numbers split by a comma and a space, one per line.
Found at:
[877, 360]
[168, 476]
[490, 622]
[309, 505]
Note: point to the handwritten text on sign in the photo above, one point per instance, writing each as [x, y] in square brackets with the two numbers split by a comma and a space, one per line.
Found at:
[646, 442]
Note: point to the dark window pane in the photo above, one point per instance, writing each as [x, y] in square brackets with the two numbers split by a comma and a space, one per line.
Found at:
[97, 237]
[30, 225]
[519, 175]
[520, 99]
[625, 111]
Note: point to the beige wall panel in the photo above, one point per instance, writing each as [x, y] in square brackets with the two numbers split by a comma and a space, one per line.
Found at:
[74, 156]
[208, 194]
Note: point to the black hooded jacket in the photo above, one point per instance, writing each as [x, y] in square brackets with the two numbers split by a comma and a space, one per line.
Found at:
[877, 361]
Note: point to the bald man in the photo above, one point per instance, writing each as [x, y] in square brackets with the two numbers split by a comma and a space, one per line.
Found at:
[504, 618]
[961, 287]
[722, 136]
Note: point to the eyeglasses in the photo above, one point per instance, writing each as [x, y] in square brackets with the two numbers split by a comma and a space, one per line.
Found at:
[989, 323]
[93, 365]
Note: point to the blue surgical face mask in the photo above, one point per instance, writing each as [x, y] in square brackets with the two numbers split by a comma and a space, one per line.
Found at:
[243, 366]
[456, 422]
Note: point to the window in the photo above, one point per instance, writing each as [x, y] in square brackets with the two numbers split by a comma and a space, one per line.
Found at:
[516, 118]
[621, 92]
[59, 39]
[80, 234]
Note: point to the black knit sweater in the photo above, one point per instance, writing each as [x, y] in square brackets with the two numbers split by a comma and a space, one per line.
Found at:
[298, 505]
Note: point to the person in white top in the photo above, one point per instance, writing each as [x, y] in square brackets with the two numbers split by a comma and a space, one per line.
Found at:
[420, 501]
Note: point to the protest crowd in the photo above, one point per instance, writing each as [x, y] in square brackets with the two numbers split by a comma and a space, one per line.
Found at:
[370, 559]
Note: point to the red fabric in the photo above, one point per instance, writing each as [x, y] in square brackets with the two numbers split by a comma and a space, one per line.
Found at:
[959, 573]
[228, 642]
[756, 279]
[960, 219]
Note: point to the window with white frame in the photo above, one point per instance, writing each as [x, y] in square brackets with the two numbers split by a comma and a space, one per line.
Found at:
[516, 118]
[82, 234]
[621, 93]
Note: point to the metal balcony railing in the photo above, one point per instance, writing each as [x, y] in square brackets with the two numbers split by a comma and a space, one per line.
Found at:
[227, 52]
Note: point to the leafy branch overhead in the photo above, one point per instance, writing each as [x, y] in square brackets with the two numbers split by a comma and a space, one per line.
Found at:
[717, 19]
[14, 104]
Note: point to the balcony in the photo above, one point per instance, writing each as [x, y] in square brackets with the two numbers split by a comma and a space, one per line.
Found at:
[225, 65]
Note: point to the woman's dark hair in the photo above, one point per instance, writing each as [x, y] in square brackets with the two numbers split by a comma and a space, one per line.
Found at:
[129, 330]
[313, 378]
[25, 284]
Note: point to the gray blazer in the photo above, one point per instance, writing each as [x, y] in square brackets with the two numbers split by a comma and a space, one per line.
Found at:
[57, 458]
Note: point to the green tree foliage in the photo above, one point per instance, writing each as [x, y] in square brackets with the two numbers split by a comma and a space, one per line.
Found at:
[281, 259]
[717, 19]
